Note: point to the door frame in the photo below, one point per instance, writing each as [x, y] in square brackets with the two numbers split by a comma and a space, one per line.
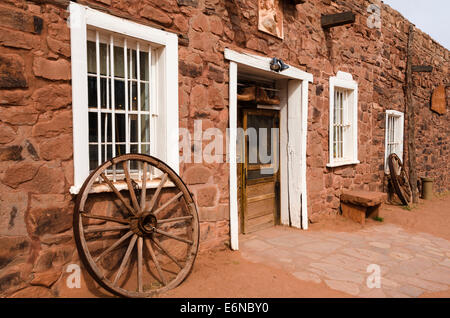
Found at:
[294, 108]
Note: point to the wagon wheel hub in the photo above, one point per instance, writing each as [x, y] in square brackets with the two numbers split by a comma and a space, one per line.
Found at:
[147, 223]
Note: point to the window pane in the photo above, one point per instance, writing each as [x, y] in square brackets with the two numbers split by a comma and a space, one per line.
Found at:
[145, 97]
[119, 94]
[145, 128]
[107, 152]
[134, 149]
[93, 157]
[133, 96]
[118, 62]
[145, 149]
[132, 63]
[133, 124]
[91, 56]
[93, 127]
[143, 61]
[104, 56]
[120, 150]
[92, 92]
[106, 128]
[104, 85]
[120, 128]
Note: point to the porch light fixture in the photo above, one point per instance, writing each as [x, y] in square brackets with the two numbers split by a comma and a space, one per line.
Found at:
[277, 65]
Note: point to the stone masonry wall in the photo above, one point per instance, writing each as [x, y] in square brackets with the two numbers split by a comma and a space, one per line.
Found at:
[36, 167]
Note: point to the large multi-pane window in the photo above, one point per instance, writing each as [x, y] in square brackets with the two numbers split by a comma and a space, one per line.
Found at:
[394, 135]
[343, 120]
[124, 91]
[119, 101]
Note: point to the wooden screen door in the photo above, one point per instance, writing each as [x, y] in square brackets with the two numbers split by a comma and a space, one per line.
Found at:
[259, 170]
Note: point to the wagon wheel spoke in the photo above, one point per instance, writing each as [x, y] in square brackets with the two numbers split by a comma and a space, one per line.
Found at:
[157, 243]
[155, 261]
[165, 205]
[139, 264]
[106, 218]
[143, 186]
[125, 259]
[137, 209]
[121, 198]
[156, 194]
[176, 219]
[164, 230]
[117, 243]
[173, 236]
[106, 229]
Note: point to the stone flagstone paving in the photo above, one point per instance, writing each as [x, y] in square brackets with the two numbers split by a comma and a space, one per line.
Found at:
[410, 263]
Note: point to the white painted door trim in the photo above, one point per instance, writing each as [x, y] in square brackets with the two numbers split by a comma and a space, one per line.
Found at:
[299, 97]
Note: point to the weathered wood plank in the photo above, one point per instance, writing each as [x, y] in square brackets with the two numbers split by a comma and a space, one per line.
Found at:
[422, 68]
[439, 100]
[333, 20]
[410, 118]
[260, 189]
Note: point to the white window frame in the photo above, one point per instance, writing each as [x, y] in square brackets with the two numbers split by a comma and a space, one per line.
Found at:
[345, 81]
[399, 118]
[164, 119]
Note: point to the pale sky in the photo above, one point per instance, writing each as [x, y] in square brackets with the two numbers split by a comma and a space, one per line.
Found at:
[430, 16]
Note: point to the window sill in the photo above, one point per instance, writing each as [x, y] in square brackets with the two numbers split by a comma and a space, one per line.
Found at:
[120, 185]
[342, 163]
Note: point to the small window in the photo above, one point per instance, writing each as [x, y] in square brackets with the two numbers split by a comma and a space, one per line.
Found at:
[343, 120]
[394, 135]
[124, 91]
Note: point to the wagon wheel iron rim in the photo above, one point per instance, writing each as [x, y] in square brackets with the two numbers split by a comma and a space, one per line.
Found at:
[136, 241]
[399, 179]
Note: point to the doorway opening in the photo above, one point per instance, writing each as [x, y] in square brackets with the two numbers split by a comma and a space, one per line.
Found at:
[289, 198]
[258, 152]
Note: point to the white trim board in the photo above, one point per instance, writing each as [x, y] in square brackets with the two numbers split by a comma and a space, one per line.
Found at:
[263, 63]
[293, 140]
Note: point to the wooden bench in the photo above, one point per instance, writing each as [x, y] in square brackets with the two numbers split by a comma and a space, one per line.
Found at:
[359, 205]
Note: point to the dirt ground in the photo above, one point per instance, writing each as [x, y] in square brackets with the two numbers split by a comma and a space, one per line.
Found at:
[226, 274]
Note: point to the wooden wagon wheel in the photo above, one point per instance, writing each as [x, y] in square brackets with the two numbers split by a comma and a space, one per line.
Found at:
[399, 179]
[136, 226]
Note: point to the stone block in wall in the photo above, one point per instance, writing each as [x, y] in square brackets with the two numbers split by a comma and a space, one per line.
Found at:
[21, 21]
[17, 97]
[196, 174]
[52, 97]
[153, 14]
[12, 71]
[19, 173]
[192, 3]
[33, 292]
[7, 133]
[11, 153]
[48, 214]
[206, 196]
[18, 116]
[52, 69]
[59, 147]
[12, 248]
[18, 40]
[60, 123]
[54, 257]
[13, 206]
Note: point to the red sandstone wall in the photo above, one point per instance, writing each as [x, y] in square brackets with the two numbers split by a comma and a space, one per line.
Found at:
[36, 117]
